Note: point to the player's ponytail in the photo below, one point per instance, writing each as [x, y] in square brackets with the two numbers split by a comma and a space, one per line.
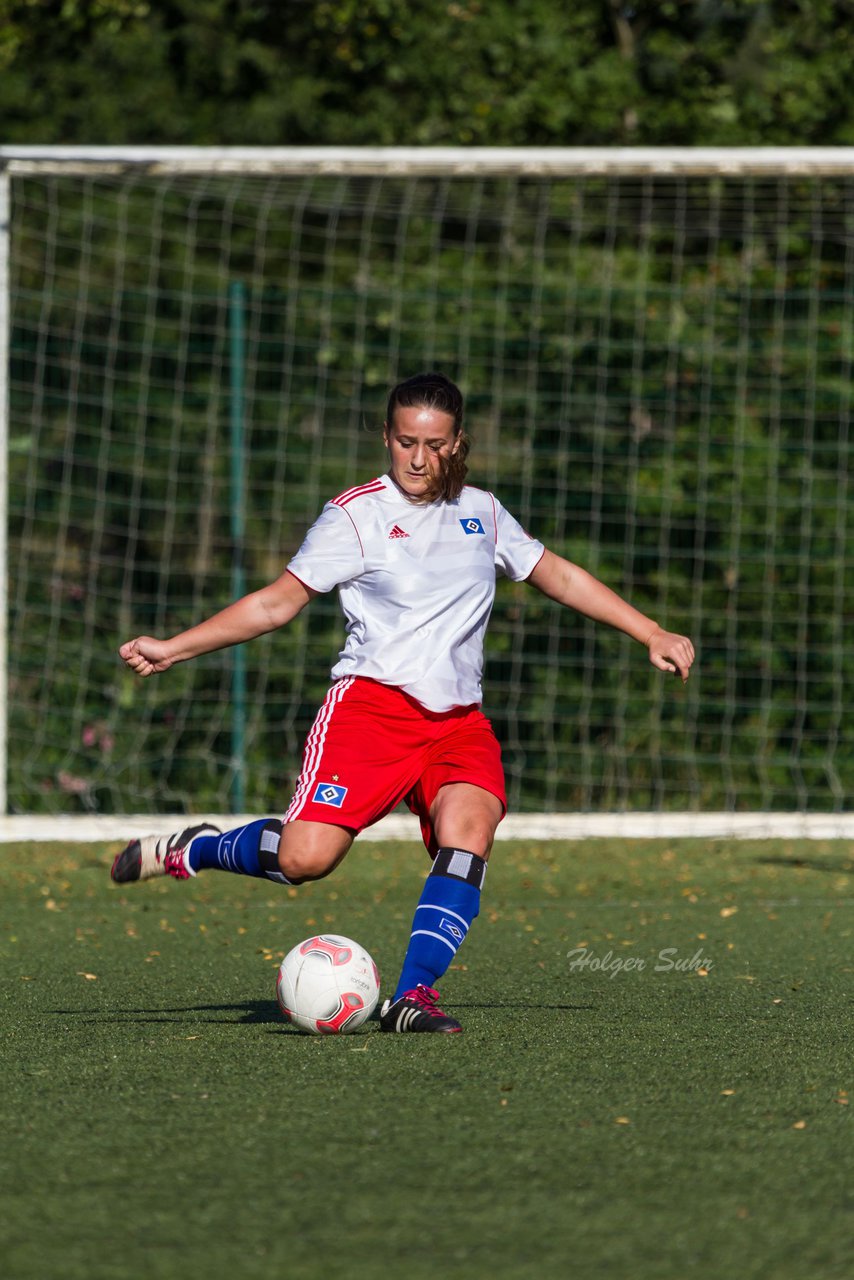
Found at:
[447, 484]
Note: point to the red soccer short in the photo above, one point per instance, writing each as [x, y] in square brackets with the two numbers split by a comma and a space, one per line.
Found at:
[372, 746]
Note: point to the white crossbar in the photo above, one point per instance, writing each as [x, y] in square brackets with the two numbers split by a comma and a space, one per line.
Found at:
[767, 161]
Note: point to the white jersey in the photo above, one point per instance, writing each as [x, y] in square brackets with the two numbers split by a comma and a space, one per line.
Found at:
[416, 584]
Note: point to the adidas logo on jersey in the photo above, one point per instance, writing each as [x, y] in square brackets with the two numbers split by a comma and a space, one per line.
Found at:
[397, 532]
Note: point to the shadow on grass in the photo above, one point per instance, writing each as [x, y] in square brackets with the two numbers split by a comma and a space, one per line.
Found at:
[525, 1004]
[266, 1013]
[834, 865]
[249, 1012]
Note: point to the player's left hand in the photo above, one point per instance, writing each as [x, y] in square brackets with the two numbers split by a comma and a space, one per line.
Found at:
[670, 652]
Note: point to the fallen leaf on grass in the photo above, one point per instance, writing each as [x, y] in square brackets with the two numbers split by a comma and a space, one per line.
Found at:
[90, 977]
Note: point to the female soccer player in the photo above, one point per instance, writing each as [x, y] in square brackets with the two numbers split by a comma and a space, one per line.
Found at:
[414, 554]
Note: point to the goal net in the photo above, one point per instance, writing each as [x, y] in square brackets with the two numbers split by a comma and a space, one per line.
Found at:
[656, 353]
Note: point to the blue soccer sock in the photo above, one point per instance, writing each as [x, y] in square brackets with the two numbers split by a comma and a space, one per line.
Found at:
[449, 902]
[247, 851]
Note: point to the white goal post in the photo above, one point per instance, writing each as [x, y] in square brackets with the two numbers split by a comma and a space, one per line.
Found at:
[657, 348]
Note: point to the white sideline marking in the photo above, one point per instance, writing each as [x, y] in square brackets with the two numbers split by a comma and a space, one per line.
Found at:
[86, 828]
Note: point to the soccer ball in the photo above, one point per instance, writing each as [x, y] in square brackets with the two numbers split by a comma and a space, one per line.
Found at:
[327, 985]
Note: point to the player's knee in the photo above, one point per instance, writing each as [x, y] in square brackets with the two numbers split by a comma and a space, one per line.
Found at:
[467, 818]
[474, 837]
[477, 838]
[301, 870]
[307, 854]
[300, 865]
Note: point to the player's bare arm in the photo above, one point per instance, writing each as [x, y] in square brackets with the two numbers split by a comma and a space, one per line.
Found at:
[570, 585]
[253, 615]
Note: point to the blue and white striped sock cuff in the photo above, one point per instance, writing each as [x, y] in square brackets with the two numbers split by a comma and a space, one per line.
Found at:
[461, 865]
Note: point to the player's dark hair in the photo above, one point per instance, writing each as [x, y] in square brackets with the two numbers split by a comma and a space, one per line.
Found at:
[435, 391]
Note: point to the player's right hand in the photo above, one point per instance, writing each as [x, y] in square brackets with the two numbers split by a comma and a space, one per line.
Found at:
[146, 656]
[671, 652]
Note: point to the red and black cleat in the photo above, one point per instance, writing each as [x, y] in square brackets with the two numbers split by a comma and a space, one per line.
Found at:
[416, 1010]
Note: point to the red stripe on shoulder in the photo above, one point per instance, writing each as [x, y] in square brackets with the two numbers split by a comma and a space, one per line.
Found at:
[373, 486]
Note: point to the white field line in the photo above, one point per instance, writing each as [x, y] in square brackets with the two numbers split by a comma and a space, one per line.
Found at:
[84, 828]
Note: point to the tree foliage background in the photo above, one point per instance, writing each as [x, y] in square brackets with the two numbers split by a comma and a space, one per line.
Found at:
[389, 72]
[696, 359]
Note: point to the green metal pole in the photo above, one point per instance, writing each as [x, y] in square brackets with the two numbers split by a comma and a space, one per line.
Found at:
[236, 307]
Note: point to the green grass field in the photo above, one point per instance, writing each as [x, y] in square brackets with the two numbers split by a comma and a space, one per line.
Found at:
[161, 1120]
